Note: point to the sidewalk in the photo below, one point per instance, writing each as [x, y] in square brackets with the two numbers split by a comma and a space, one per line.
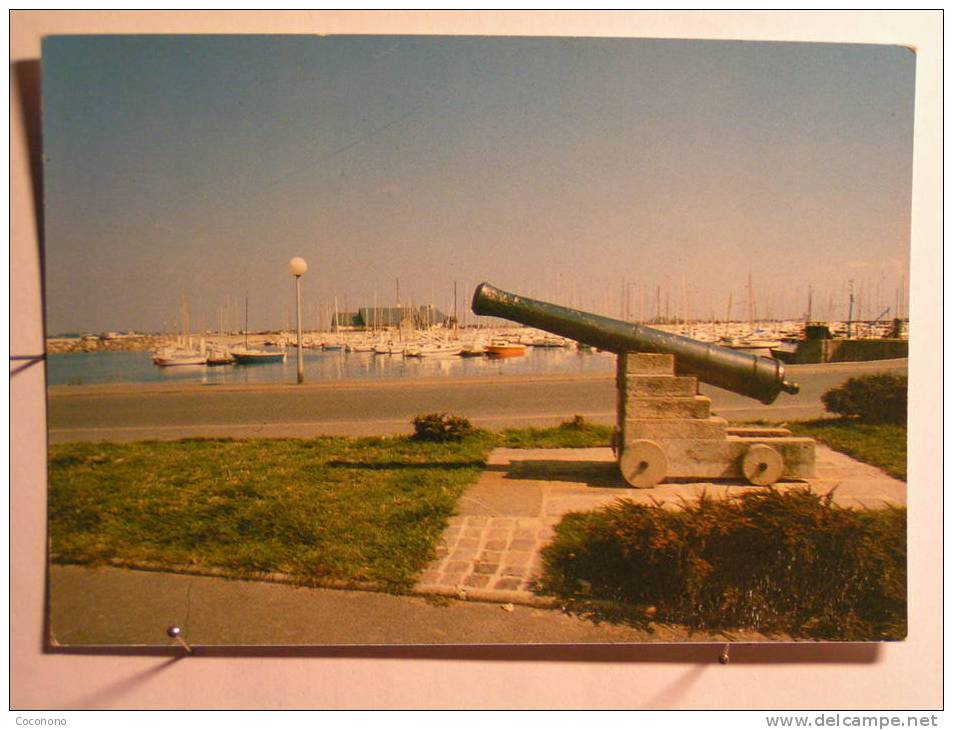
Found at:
[114, 607]
[491, 550]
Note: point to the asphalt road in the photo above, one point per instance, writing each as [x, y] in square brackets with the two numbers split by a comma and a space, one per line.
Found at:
[136, 412]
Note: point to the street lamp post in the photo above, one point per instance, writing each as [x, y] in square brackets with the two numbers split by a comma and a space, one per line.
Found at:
[297, 266]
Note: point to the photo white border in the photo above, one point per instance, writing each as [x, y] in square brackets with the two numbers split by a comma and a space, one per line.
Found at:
[904, 675]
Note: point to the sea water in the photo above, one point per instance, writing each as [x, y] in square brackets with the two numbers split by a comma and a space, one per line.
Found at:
[89, 368]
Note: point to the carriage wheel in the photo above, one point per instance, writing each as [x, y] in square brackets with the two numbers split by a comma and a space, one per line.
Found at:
[643, 464]
[762, 465]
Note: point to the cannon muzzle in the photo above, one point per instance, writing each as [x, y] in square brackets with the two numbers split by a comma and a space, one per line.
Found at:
[761, 378]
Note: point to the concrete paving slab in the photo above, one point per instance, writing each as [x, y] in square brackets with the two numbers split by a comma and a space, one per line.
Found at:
[507, 516]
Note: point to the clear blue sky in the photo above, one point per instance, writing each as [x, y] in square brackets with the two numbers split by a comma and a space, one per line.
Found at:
[560, 168]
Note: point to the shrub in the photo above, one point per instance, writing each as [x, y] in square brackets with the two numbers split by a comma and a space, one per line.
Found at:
[877, 398]
[441, 427]
[772, 561]
[576, 423]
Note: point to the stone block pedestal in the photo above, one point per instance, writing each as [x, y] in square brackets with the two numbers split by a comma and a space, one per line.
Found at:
[665, 429]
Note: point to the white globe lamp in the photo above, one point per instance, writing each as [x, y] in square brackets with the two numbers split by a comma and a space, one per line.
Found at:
[296, 267]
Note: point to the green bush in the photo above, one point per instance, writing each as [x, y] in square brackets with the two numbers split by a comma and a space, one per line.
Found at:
[877, 398]
[441, 427]
[788, 562]
[576, 423]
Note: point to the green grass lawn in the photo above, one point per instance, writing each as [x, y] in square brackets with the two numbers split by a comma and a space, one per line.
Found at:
[882, 444]
[354, 510]
[574, 433]
[358, 510]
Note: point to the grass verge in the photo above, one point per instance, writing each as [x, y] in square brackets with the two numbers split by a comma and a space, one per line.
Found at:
[574, 433]
[315, 511]
[883, 445]
[362, 511]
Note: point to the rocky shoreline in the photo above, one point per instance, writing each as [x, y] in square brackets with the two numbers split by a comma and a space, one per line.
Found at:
[143, 343]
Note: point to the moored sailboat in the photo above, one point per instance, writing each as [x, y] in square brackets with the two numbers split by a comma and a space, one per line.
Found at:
[182, 353]
[172, 356]
[251, 356]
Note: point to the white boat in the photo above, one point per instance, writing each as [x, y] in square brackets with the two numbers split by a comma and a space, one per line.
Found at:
[244, 356]
[550, 341]
[172, 356]
[753, 344]
[251, 356]
[389, 348]
[447, 349]
[473, 349]
[218, 355]
[183, 353]
[705, 335]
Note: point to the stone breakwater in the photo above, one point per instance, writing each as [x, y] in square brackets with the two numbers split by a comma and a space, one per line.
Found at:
[145, 343]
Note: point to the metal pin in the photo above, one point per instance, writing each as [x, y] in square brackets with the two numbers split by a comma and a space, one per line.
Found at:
[175, 632]
[723, 657]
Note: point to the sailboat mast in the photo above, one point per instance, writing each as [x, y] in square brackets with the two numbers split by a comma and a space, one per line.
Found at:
[246, 321]
[400, 309]
[750, 305]
[186, 329]
[728, 314]
[850, 309]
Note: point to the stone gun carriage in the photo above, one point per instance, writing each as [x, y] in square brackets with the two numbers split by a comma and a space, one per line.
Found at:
[664, 428]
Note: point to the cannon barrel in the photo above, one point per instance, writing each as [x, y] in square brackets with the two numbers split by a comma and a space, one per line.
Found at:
[761, 378]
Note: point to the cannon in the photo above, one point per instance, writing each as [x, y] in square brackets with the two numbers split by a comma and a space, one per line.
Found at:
[664, 428]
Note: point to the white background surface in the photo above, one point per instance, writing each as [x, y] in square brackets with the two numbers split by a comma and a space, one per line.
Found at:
[896, 676]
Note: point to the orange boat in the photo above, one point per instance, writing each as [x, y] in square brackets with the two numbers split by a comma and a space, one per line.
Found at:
[505, 348]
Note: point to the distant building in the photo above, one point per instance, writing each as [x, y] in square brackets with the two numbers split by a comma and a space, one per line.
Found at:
[367, 318]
